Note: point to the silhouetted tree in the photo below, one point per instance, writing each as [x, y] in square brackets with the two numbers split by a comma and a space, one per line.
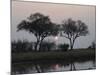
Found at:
[21, 46]
[93, 45]
[73, 29]
[39, 25]
[47, 46]
[63, 47]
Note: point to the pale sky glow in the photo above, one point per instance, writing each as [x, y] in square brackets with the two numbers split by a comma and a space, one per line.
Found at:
[56, 38]
[57, 13]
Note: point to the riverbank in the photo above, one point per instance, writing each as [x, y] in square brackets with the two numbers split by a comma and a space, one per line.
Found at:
[70, 56]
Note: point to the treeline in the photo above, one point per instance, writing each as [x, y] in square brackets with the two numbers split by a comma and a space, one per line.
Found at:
[25, 46]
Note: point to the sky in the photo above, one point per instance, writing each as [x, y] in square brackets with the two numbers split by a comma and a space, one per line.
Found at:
[57, 13]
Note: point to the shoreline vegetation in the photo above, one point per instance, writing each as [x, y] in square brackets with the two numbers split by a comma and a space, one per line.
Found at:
[79, 55]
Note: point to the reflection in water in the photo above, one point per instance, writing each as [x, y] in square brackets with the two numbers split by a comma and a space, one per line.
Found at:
[30, 67]
[72, 67]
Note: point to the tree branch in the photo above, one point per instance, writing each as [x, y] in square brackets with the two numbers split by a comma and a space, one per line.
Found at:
[65, 37]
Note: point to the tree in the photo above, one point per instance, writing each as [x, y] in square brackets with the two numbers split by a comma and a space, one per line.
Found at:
[63, 47]
[92, 46]
[47, 46]
[39, 25]
[21, 46]
[73, 29]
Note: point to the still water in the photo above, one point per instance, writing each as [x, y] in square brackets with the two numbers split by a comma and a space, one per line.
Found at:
[30, 67]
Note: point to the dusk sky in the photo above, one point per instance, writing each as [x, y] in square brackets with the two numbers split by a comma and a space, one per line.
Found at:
[57, 13]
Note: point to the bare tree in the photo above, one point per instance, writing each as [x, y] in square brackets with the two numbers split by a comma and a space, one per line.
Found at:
[73, 29]
[39, 25]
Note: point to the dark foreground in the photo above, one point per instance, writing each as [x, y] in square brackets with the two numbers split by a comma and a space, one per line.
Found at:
[77, 55]
[40, 62]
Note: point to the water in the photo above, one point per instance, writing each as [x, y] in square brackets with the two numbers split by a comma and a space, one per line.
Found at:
[41, 67]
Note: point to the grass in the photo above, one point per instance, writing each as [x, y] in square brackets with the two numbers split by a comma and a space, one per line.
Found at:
[71, 55]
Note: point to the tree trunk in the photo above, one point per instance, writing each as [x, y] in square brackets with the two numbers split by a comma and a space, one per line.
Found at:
[71, 44]
[71, 47]
[40, 43]
[36, 45]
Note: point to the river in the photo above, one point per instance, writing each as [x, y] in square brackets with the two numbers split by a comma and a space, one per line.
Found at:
[42, 67]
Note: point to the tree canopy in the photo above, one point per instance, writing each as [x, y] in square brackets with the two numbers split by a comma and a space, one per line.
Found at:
[73, 29]
[39, 25]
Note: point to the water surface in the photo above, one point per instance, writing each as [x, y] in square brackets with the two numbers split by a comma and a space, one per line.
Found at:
[42, 67]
